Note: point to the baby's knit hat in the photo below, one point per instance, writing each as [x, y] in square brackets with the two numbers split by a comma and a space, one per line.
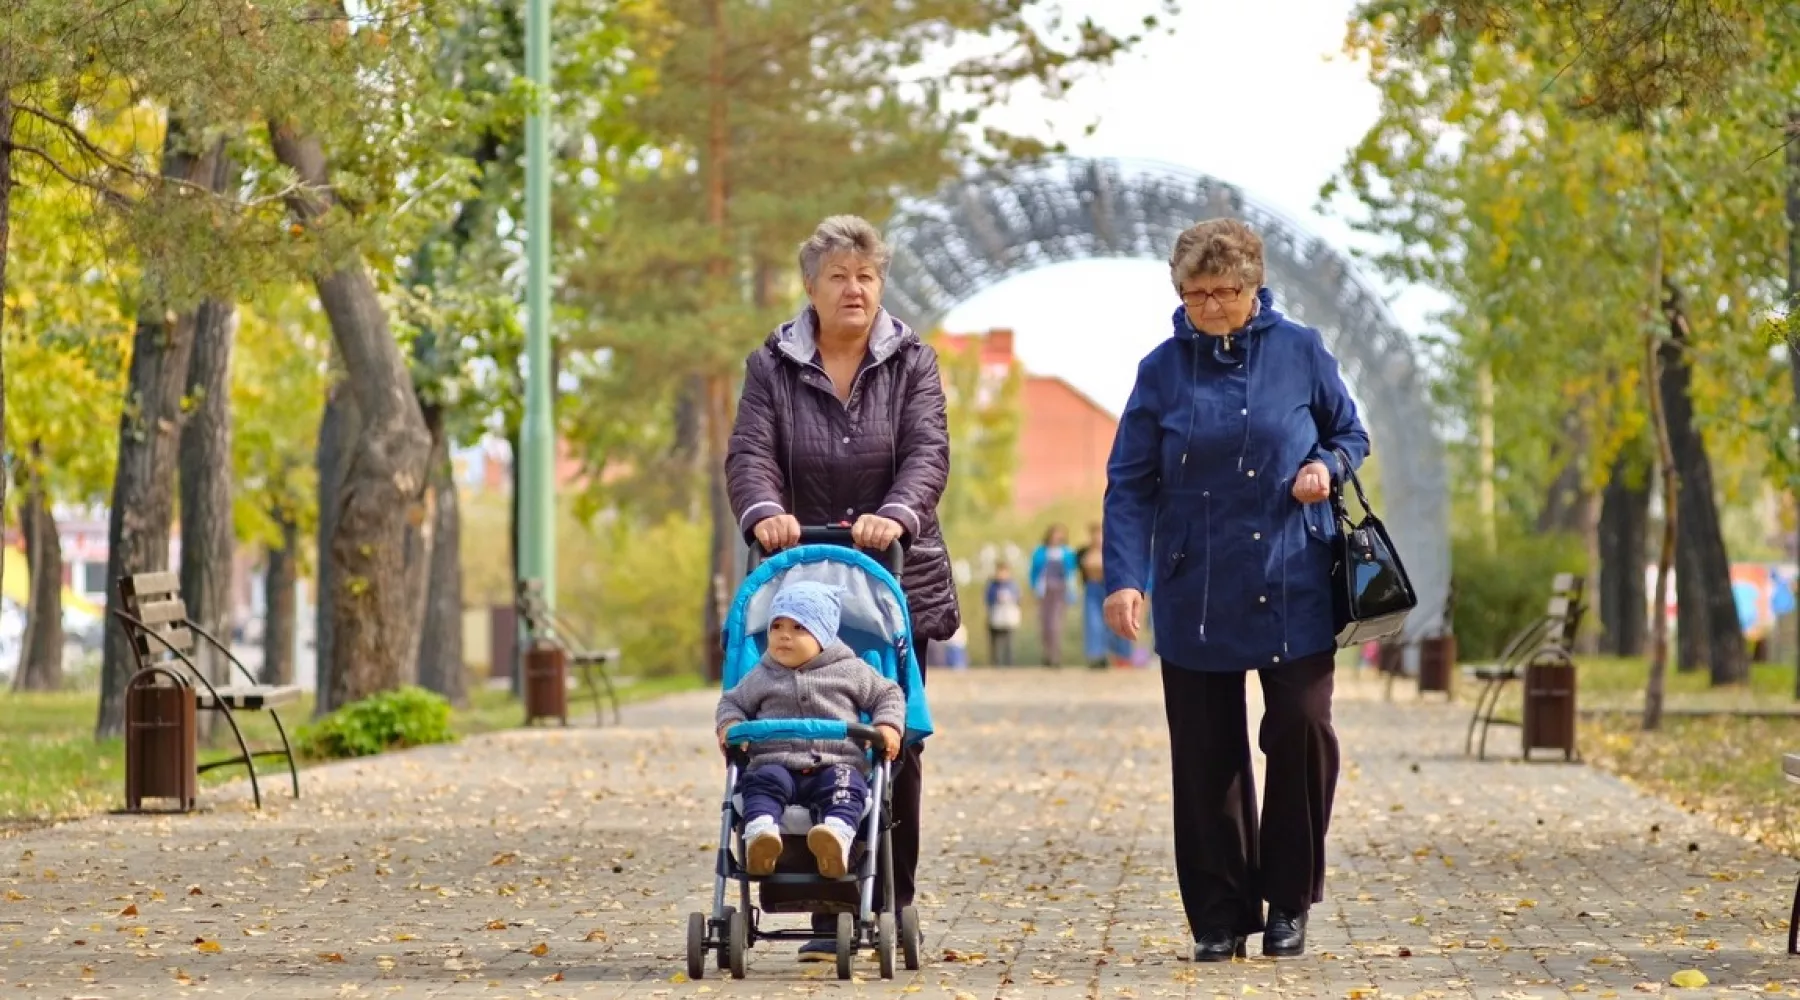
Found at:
[815, 606]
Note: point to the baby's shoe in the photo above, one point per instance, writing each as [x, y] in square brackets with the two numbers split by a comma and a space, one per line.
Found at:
[830, 844]
[762, 845]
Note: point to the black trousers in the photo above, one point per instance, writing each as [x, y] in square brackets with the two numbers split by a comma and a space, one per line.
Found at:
[1227, 860]
[909, 794]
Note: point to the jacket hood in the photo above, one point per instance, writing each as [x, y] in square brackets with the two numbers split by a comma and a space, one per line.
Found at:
[798, 338]
[1264, 317]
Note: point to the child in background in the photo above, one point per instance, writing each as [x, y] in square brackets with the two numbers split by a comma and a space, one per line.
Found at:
[1004, 614]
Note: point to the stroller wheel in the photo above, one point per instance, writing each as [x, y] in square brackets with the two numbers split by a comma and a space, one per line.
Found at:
[696, 946]
[884, 944]
[846, 943]
[723, 951]
[739, 943]
[911, 943]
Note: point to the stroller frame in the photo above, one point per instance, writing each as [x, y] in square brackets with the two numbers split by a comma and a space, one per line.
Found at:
[729, 931]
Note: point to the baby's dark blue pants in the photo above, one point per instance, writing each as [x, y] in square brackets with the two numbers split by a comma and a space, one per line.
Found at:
[834, 790]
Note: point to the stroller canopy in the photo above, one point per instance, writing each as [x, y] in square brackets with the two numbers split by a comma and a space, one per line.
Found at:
[875, 622]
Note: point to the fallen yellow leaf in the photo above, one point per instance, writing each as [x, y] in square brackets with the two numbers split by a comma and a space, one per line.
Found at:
[496, 925]
[209, 947]
[129, 911]
[595, 935]
[540, 949]
[330, 956]
[1689, 979]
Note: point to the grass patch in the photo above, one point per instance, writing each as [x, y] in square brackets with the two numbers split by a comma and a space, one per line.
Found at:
[52, 769]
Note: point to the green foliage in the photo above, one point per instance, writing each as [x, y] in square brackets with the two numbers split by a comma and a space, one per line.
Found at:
[1500, 592]
[983, 414]
[633, 583]
[812, 120]
[1549, 227]
[392, 720]
[279, 374]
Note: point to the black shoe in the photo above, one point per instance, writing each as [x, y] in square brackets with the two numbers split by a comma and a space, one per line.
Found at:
[1218, 946]
[1285, 934]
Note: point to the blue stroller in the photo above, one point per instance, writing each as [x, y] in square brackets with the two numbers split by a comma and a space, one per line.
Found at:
[876, 625]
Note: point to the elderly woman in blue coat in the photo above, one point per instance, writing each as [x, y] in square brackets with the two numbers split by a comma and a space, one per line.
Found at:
[1237, 428]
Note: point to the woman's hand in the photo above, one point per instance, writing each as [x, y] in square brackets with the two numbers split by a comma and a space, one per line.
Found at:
[892, 738]
[1313, 484]
[1124, 613]
[776, 533]
[875, 533]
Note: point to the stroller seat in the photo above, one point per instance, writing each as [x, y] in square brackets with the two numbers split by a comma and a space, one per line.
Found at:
[876, 624]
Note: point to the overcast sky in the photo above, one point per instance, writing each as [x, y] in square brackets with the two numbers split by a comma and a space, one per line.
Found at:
[1297, 105]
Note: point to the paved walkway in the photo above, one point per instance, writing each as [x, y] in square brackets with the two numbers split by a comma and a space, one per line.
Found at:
[562, 864]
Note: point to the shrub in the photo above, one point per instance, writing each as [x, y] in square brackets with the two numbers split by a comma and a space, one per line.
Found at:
[391, 720]
[1500, 592]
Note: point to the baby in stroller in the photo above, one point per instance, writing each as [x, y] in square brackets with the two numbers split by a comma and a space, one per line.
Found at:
[806, 673]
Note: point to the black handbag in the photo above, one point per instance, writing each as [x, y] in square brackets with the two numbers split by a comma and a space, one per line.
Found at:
[1371, 594]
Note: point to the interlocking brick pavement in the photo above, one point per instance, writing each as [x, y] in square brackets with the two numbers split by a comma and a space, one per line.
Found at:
[562, 864]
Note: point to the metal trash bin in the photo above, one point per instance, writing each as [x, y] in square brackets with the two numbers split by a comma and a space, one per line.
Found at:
[546, 683]
[1437, 664]
[1549, 717]
[161, 759]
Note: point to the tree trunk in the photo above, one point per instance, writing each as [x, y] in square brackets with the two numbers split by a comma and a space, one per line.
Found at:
[1793, 303]
[41, 648]
[1726, 652]
[1692, 622]
[1566, 500]
[143, 496]
[1665, 553]
[1624, 521]
[717, 395]
[339, 426]
[205, 474]
[441, 666]
[6, 187]
[421, 540]
[384, 482]
[281, 576]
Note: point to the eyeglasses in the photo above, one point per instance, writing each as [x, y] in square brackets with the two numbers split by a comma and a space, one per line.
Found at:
[1223, 296]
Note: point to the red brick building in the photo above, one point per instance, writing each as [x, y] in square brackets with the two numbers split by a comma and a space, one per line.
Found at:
[1064, 437]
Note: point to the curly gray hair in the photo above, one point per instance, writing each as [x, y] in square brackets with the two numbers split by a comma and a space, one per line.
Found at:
[1218, 247]
[843, 234]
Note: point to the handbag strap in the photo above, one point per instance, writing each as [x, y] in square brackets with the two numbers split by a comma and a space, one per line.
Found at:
[1337, 490]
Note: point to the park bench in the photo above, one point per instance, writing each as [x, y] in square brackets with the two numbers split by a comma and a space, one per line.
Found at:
[162, 638]
[1554, 630]
[543, 624]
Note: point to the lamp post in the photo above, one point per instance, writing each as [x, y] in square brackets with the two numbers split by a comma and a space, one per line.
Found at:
[537, 504]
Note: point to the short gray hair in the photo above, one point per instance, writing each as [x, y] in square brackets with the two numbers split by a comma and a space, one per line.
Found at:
[843, 234]
[1218, 247]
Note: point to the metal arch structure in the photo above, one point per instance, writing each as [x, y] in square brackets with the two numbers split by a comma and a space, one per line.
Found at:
[983, 229]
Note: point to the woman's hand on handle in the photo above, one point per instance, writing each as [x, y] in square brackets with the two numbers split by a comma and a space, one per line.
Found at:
[891, 737]
[1124, 613]
[776, 533]
[875, 533]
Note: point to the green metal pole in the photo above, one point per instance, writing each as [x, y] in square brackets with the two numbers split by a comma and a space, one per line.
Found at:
[537, 507]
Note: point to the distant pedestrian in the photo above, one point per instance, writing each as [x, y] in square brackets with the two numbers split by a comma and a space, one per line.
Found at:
[1004, 614]
[1100, 646]
[1052, 574]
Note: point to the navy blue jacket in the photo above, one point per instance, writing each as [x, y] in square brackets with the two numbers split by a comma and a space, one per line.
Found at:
[1199, 494]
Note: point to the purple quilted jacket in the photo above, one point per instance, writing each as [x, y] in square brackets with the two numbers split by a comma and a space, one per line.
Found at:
[797, 449]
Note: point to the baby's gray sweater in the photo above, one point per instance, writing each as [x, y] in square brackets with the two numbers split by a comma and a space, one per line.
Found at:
[836, 684]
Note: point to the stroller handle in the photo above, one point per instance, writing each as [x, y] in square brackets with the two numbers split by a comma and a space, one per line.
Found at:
[805, 729]
[892, 559]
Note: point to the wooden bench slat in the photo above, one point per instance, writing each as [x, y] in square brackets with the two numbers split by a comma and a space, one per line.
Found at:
[246, 698]
[151, 586]
[1790, 766]
[179, 637]
[162, 612]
